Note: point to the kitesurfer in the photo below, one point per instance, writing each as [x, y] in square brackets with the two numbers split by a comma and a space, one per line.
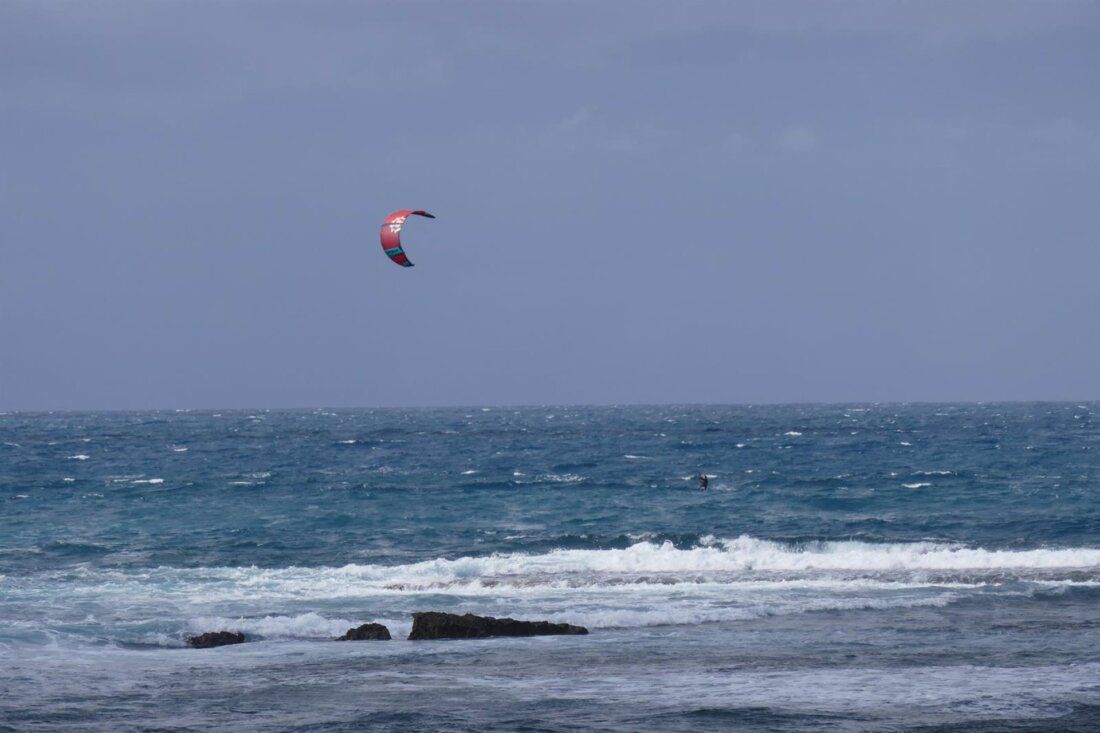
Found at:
[704, 481]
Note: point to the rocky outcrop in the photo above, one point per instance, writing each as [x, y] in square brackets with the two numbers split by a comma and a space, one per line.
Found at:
[215, 638]
[436, 625]
[366, 632]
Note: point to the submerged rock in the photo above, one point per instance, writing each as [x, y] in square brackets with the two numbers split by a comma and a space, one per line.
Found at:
[215, 638]
[436, 625]
[366, 632]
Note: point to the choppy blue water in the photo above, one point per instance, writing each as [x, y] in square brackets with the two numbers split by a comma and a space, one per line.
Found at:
[859, 567]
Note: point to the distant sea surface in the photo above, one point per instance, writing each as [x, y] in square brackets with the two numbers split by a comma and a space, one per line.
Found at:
[851, 568]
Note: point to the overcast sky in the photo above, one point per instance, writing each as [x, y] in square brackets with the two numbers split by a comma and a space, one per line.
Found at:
[637, 202]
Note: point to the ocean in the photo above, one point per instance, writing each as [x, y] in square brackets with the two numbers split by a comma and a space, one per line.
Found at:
[871, 567]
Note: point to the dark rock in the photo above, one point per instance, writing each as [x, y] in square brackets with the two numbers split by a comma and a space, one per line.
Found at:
[436, 625]
[366, 632]
[215, 638]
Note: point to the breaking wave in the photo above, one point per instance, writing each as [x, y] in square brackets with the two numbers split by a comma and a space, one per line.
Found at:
[745, 561]
[741, 555]
[303, 626]
[647, 583]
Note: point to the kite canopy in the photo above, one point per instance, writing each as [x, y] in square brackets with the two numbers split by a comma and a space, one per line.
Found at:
[391, 235]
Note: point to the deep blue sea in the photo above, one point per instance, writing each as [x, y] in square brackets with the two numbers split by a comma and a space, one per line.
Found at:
[851, 568]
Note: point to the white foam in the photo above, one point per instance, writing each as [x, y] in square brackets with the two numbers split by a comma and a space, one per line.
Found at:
[793, 433]
[303, 626]
[646, 584]
[563, 478]
[905, 442]
[179, 449]
[469, 472]
[918, 485]
[748, 553]
[701, 613]
[148, 481]
[728, 564]
[893, 698]
[79, 457]
[347, 442]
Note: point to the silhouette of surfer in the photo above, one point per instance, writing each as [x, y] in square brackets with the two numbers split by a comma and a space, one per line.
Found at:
[704, 481]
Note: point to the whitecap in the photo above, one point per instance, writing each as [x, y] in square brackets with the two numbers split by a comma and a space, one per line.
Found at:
[304, 626]
[79, 457]
[918, 485]
[564, 478]
[148, 481]
[793, 433]
[722, 556]
[648, 583]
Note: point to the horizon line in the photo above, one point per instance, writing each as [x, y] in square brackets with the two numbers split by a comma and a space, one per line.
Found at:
[533, 405]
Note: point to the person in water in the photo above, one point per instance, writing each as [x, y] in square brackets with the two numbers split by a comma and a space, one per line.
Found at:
[703, 481]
